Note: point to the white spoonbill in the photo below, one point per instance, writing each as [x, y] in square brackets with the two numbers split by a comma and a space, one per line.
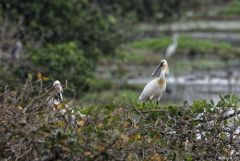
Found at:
[58, 91]
[155, 88]
[171, 49]
[56, 97]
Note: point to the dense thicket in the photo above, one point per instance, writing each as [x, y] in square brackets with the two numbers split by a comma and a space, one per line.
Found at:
[33, 129]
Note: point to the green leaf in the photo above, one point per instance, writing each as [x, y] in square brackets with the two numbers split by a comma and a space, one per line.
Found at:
[188, 157]
[221, 103]
[30, 76]
[227, 97]
[198, 106]
[212, 102]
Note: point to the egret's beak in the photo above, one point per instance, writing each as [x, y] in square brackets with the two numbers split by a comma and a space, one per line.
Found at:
[158, 67]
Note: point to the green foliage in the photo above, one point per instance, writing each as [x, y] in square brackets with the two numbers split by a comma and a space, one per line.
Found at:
[97, 28]
[228, 101]
[186, 43]
[126, 95]
[129, 56]
[98, 84]
[231, 9]
[61, 21]
[151, 10]
[63, 62]
[64, 21]
[143, 131]
[199, 106]
[112, 95]
[47, 27]
[105, 91]
[8, 80]
[153, 43]
[13, 73]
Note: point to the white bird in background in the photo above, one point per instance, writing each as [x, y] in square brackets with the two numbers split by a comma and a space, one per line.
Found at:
[155, 88]
[58, 97]
[16, 50]
[171, 49]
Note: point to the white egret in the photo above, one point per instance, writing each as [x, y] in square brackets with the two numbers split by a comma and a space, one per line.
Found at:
[171, 49]
[155, 88]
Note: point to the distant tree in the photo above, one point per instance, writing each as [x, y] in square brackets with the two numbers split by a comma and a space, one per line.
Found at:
[64, 62]
[62, 21]
[151, 10]
[62, 38]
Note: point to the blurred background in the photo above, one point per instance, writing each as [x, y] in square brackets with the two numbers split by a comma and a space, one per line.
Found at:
[107, 50]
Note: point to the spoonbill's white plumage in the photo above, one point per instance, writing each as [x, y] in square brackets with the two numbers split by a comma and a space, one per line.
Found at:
[155, 88]
[56, 96]
[58, 91]
[171, 49]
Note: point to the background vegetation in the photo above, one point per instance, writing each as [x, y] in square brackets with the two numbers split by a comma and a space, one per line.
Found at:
[32, 129]
[85, 31]
[100, 118]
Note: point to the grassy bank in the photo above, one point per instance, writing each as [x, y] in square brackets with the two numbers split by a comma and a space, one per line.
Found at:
[186, 44]
[231, 10]
[149, 50]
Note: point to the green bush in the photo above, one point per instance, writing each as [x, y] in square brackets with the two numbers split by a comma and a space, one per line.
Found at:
[31, 129]
[63, 62]
[231, 9]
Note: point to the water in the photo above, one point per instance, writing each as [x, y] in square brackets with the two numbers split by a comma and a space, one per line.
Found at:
[191, 87]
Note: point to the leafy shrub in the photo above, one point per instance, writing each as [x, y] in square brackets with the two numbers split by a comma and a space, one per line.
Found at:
[32, 130]
[63, 62]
